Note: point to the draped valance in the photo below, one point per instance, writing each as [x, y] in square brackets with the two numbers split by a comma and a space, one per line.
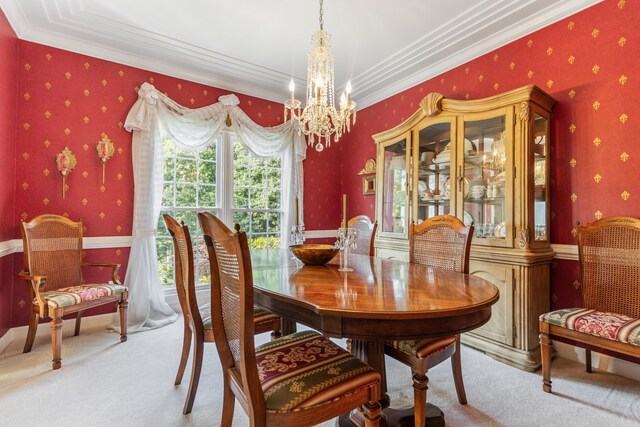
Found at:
[155, 117]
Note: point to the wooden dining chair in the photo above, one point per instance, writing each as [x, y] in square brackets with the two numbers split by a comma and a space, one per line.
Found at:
[366, 232]
[197, 318]
[441, 242]
[609, 318]
[53, 269]
[301, 379]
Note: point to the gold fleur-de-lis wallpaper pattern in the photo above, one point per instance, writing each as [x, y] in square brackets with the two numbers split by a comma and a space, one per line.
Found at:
[589, 63]
[67, 99]
[71, 100]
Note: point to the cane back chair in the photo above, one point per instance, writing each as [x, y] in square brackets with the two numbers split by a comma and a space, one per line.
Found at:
[442, 242]
[609, 253]
[197, 318]
[301, 379]
[53, 269]
[366, 231]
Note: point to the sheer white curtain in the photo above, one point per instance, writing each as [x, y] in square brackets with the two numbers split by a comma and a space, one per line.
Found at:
[155, 117]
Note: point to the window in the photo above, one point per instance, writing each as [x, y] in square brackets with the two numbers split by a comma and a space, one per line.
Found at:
[227, 180]
[256, 197]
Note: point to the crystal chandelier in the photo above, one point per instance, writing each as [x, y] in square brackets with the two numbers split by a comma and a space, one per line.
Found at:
[319, 119]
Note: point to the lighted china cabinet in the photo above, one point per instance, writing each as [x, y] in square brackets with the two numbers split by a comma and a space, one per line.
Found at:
[485, 161]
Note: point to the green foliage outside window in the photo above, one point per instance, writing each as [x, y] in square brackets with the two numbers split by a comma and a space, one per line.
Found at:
[190, 185]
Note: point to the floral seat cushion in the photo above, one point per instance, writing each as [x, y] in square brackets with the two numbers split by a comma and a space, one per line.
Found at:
[422, 348]
[259, 315]
[613, 326]
[65, 297]
[305, 369]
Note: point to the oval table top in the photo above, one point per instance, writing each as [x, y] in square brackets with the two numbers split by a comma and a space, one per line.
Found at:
[378, 294]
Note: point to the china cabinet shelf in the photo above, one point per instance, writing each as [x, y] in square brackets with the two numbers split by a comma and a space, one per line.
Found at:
[466, 152]
[485, 200]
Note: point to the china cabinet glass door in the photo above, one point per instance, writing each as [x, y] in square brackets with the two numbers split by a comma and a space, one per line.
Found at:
[432, 166]
[394, 209]
[540, 207]
[484, 178]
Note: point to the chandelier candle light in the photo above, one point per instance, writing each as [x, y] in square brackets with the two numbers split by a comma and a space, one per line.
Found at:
[319, 118]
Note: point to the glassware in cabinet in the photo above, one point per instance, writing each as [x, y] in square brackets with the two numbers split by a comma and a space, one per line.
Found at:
[393, 210]
[431, 194]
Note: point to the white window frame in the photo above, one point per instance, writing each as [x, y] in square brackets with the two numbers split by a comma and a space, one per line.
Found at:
[224, 208]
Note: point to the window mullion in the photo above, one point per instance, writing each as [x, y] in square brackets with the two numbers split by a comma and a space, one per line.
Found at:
[225, 178]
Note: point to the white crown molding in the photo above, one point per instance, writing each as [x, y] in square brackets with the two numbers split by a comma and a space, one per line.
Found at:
[484, 27]
[380, 82]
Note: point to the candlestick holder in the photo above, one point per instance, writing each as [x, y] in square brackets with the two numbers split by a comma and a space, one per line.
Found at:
[296, 236]
[346, 240]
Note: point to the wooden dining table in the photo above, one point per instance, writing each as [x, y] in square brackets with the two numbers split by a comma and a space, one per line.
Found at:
[379, 300]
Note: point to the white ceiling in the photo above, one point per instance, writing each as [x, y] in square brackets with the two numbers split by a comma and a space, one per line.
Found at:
[256, 46]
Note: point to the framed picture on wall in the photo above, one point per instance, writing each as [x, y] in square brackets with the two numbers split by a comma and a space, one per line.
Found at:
[369, 185]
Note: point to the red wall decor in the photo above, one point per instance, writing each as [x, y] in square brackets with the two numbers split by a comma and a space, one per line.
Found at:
[8, 110]
[589, 63]
[66, 99]
[322, 195]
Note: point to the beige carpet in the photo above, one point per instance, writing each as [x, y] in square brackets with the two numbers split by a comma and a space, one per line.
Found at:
[105, 383]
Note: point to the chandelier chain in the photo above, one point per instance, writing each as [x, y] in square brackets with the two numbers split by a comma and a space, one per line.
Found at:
[321, 15]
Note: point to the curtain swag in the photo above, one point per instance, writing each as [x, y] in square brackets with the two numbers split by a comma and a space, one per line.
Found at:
[155, 117]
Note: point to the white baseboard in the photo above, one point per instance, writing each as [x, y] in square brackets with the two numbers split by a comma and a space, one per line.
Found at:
[44, 331]
[599, 361]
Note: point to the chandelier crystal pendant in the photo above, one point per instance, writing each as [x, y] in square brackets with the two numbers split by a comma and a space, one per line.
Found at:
[319, 119]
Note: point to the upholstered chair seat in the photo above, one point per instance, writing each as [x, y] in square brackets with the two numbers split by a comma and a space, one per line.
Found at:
[612, 326]
[260, 317]
[72, 295]
[609, 254]
[305, 370]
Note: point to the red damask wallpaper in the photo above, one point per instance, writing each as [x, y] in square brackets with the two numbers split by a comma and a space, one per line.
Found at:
[70, 100]
[8, 110]
[589, 63]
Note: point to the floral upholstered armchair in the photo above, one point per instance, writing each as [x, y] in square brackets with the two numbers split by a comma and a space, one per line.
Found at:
[53, 271]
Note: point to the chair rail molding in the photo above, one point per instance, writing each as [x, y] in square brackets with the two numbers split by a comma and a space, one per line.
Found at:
[8, 247]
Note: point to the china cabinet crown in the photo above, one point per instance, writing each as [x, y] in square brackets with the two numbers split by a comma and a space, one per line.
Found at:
[485, 161]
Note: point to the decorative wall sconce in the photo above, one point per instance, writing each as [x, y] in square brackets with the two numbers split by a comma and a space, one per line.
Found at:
[369, 178]
[66, 162]
[105, 152]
